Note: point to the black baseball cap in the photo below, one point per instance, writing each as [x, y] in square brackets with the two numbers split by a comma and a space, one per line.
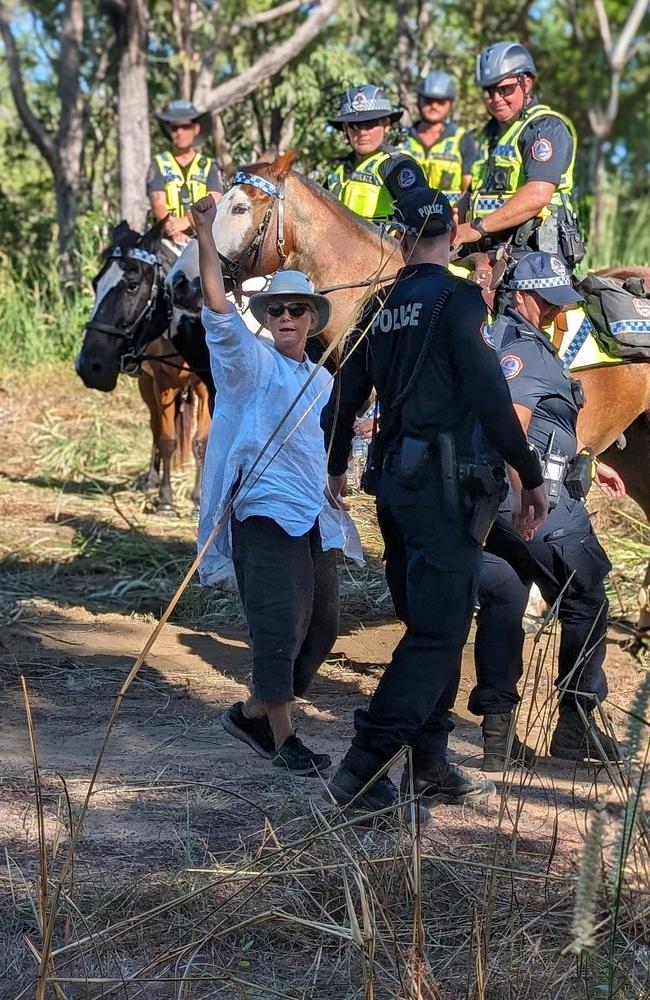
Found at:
[424, 212]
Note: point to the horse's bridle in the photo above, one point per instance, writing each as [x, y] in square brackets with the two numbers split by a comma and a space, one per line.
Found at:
[131, 359]
[251, 254]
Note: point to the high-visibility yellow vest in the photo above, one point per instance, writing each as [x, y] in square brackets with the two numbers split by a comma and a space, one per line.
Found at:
[496, 175]
[179, 191]
[442, 163]
[362, 189]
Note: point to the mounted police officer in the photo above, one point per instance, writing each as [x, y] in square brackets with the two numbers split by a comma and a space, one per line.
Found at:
[446, 416]
[565, 558]
[374, 173]
[444, 149]
[522, 181]
[182, 175]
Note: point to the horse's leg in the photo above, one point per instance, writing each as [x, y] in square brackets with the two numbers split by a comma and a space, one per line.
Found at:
[200, 438]
[633, 465]
[166, 447]
[148, 393]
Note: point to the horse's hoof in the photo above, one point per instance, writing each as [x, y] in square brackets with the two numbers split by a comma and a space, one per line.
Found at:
[166, 509]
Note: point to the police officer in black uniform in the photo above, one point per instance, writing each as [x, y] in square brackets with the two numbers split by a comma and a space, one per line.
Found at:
[442, 398]
[547, 402]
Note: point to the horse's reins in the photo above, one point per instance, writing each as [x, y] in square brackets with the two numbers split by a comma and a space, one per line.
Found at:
[130, 360]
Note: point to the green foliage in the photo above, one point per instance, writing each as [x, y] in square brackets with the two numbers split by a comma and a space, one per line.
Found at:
[380, 42]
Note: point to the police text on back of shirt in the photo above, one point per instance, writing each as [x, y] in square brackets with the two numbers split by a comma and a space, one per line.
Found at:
[398, 317]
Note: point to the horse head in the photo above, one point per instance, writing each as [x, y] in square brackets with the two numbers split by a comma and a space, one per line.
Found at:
[130, 307]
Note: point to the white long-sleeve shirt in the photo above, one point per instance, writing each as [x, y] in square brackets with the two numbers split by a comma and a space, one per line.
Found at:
[256, 386]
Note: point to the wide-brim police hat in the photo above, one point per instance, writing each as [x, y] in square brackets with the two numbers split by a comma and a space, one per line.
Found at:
[177, 112]
[365, 103]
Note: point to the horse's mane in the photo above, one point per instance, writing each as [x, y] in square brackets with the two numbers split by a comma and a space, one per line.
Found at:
[363, 227]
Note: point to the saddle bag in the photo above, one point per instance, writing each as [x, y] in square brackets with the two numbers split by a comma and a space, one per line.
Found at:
[620, 314]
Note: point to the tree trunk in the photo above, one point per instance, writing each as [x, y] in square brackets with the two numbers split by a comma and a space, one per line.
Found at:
[133, 113]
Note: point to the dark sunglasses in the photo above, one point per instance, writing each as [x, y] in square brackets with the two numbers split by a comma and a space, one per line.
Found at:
[356, 126]
[176, 126]
[294, 309]
[507, 90]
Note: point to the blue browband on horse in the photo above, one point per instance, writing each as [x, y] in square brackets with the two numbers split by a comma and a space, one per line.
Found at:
[241, 177]
[137, 253]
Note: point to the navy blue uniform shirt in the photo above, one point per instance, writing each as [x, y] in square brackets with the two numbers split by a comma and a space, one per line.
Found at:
[537, 380]
[460, 385]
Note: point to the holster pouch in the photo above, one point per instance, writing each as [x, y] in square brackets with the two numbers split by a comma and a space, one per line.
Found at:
[572, 245]
[547, 236]
[579, 475]
[414, 463]
[484, 489]
[449, 474]
[370, 477]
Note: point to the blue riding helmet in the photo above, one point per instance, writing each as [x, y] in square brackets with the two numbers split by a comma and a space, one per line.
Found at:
[365, 103]
[437, 84]
[501, 60]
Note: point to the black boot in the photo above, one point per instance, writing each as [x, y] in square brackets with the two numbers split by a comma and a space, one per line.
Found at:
[572, 740]
[436, 781]
[496, 730]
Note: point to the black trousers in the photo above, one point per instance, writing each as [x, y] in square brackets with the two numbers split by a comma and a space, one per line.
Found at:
[432, 569]
[566, 544]
[289, 589]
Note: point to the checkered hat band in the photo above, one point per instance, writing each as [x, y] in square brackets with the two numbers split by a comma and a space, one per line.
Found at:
[557, 282]
[241, 177]
[630, 326]
[373, 105]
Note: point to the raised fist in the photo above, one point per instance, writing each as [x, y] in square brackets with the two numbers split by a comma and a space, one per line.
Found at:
[203, 212]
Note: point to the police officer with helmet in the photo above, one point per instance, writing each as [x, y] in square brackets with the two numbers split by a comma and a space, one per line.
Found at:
[444, 149]
[564, 558]
[445, 418]
[522, 181]
[374, 173]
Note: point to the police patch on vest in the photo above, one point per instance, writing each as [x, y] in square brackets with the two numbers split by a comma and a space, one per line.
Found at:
[511, 366]
[542, 150]
[406, 177]
[486, 336]
[642, 307]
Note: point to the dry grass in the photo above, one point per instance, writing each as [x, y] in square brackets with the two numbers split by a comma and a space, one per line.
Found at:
[306, 903]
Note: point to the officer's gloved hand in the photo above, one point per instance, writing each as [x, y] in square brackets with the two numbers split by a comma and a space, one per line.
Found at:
[531, 516]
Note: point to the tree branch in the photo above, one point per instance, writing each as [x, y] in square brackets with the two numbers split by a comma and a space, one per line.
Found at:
[37, 131]
[267, 15]
[604, 27]
[232, 91]
[621, 51]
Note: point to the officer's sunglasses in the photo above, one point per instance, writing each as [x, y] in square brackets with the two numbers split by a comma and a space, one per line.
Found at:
[295, 309]
[181, 125]
[357, 126]
[504, 90]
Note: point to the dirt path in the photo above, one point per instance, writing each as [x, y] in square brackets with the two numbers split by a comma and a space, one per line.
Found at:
[83, 569]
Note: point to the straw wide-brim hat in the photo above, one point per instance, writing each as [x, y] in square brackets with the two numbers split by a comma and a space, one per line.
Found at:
[177, 112]
[295, 287]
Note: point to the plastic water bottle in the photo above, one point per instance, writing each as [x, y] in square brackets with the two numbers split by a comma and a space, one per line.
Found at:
[357, 461]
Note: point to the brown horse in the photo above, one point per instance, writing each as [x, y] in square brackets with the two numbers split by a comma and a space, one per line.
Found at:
[287, 220]
[127, 333]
